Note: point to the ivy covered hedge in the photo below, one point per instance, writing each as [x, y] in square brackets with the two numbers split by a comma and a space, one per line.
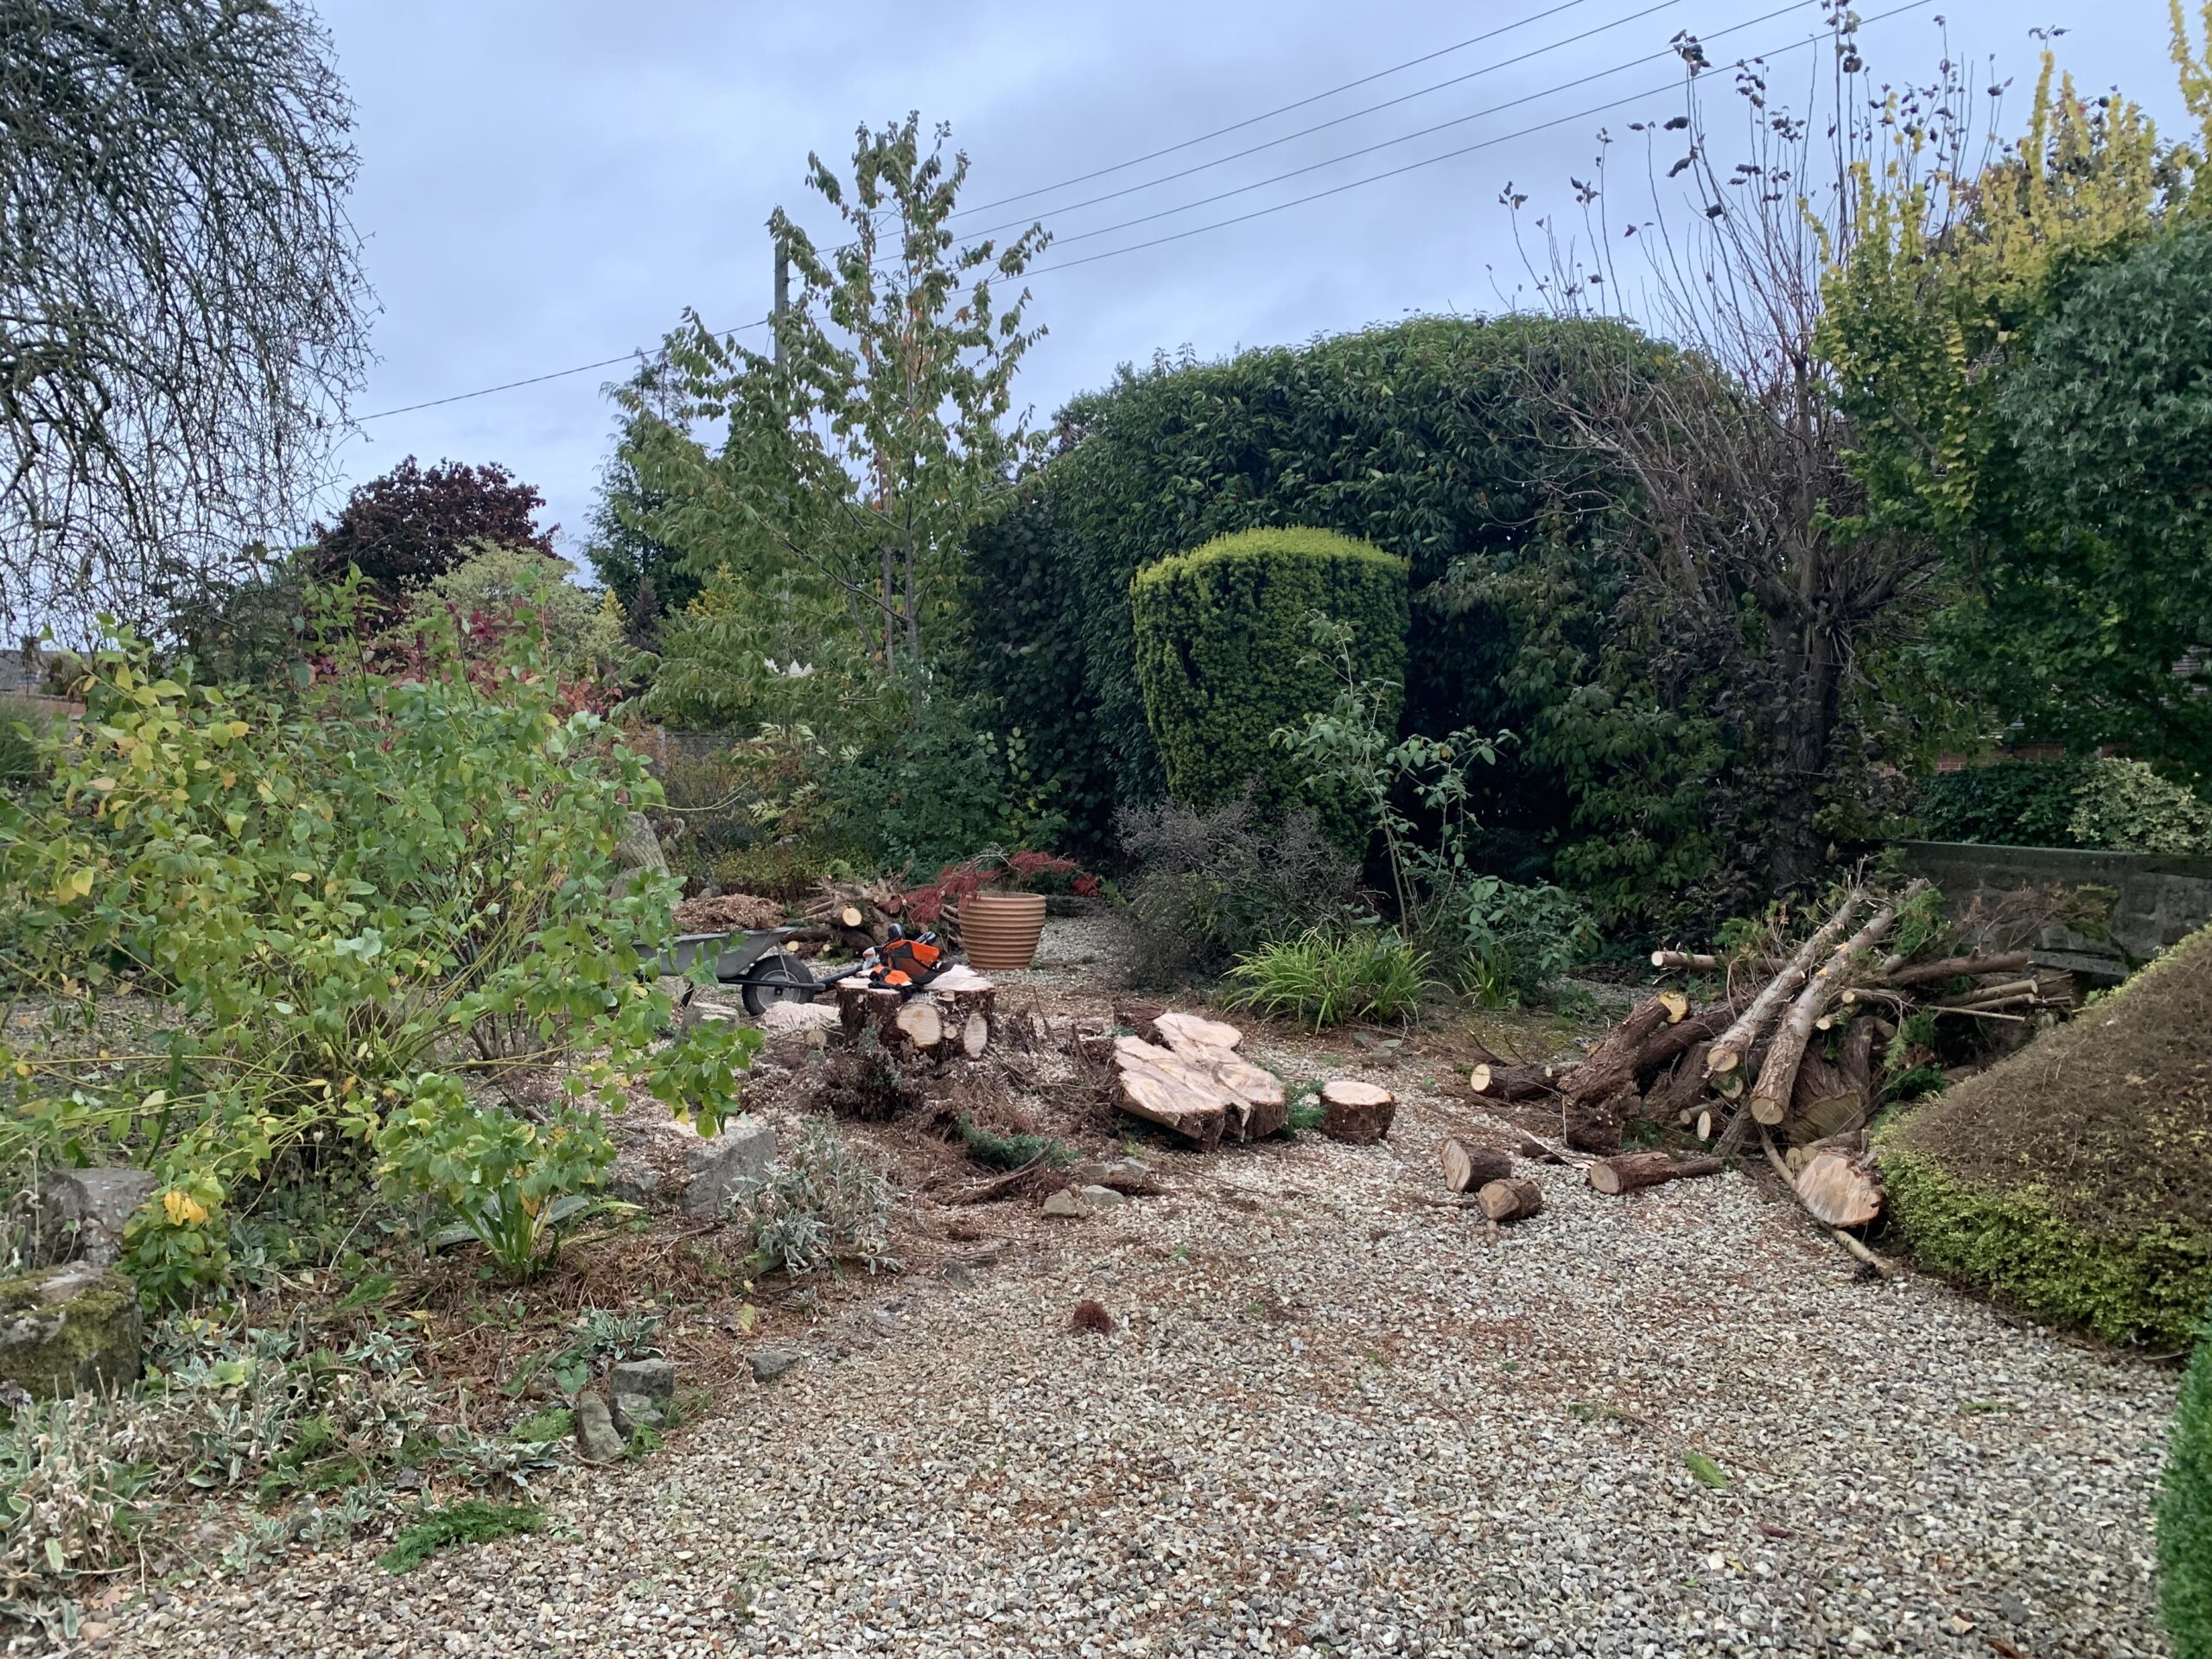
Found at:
[1224, 652]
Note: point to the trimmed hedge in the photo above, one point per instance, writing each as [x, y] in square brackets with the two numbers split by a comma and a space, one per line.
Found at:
[2009, 803]
[2185, 1515]
[2135, 1287]
[1224, 654]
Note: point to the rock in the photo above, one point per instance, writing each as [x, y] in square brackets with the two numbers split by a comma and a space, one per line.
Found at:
[631, 1180]
[768, 1363]
[81, 1213]
[631, 1412]
[65, 1330]
[960, 1274]
[1090, 1172]
[654, 1378]
[596, 1437]
[1065, 1206]
[741, 1152]
[1103, 1198]
[797, 1018]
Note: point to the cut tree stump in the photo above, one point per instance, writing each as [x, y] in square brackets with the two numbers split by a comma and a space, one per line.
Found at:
[1511, 1200]
[1839, 1187]
[1467, 1167]
[1182, 1031]
[1631, 1171]
[1359, 1113]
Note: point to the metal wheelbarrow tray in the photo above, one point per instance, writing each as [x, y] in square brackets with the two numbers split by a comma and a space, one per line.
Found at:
[750, 960]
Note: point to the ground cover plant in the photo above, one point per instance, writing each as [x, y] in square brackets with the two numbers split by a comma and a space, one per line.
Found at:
[2185, 1515]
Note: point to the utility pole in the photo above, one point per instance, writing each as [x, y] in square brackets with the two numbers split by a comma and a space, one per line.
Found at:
[782, 299]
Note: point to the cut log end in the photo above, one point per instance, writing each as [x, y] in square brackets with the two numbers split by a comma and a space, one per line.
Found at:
[1511, 1200]
[1467, 1167]
[1840, 1188]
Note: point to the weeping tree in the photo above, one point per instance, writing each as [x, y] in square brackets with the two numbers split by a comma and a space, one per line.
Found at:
[181, 305]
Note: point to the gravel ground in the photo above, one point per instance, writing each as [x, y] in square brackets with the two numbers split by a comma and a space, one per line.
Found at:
[1334, 1417]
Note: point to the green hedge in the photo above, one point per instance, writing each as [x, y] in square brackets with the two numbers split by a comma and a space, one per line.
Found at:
[1224, 654]
[1419, 437]
[2147, 1286]
[2185, 1515]
[2009, 803]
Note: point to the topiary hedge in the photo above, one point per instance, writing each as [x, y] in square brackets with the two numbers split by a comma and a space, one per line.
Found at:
[2185, 1515]
[2074, 1178]
[1225, 653]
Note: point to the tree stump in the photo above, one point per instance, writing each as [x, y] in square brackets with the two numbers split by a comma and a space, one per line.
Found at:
[1467, 1167]
[1359, 1113]
[1631, 1171]
[1511, 1200]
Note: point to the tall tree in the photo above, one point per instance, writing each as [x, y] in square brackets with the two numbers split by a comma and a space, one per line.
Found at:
[1732, 443]
[2018, 338]
[412, 523]
[865, 455]
[648, 578]
[181, 297]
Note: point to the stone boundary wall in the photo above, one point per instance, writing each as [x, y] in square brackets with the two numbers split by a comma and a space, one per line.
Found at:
[2160, 901]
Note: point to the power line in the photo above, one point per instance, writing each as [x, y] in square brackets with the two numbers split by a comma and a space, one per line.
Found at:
[1336, 121]
[1269, 115]
[1452, 155]
[532, 380]
[1424, 132]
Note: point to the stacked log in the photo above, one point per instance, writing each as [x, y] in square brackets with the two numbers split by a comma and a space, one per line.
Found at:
[858, 914]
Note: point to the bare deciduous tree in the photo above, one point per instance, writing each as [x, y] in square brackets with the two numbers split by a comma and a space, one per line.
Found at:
[181, 305]
[1725, 428]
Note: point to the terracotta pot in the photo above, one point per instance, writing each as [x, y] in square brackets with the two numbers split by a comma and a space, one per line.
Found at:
[999, 931]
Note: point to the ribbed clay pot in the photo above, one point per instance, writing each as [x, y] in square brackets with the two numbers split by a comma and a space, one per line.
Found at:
[999, 931]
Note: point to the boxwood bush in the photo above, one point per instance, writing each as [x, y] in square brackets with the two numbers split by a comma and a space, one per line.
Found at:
[1224, 652]
[2185, 1514]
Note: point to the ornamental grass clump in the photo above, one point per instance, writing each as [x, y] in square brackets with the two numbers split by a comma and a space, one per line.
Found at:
[1328, 978]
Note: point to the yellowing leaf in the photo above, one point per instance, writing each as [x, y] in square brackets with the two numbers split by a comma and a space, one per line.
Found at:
[183, 1209]
[73, 885]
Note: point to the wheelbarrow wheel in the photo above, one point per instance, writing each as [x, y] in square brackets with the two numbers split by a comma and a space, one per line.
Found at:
[776, 978]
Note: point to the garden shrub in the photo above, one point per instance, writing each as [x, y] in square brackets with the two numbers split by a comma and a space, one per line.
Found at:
[2103, 804]
[822, 1203]
[2185, 1513]
[1514, 942]
[307, 906]
[2074, 1178]
[1225, 653]
[1332, 976]
[2007, 803]
[1211, 886]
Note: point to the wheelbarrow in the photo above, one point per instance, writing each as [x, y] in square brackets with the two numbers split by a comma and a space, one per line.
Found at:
[752, 961]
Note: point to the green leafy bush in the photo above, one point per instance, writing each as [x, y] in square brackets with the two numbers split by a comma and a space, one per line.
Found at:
[2185, 1515]
[2125, 805]
[1222, 652]
[512, 1182]
[822, 1203]
[301, 908]
[2009, 803]
[1516, 942]
[2100, 804]
[1328, 978]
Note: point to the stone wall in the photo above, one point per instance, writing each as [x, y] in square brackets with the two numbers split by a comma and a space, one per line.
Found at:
[2157, 900]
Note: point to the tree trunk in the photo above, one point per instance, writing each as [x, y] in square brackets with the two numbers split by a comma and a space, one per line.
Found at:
[1729, 1048]
[1359, 1113]
[1770, 1102]
[1619, 1058]
[1495, 1080]
[1631, 1171]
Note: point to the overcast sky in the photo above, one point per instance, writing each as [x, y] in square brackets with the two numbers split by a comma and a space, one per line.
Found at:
[549, 183]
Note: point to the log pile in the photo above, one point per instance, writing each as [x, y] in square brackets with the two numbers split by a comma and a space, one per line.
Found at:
[1184, 1073]
[858, 914]
[1793, 1051]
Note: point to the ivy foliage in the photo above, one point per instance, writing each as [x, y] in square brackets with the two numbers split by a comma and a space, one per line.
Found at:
[2185, 1514]
[1224, 654]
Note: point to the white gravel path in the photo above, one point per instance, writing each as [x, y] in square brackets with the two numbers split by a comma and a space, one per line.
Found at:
[1334, 1419]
